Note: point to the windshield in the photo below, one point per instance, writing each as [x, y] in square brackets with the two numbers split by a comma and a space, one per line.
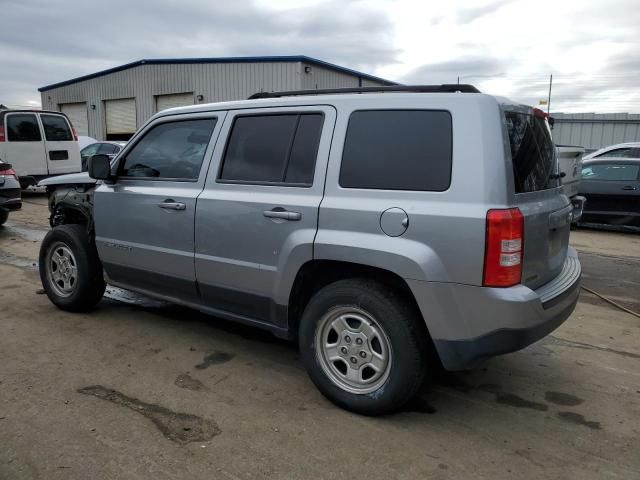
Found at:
[532, 152]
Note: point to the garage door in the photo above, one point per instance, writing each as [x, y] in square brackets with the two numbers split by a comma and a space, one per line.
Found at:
[77, 113]
[121, 118]
[175, 100]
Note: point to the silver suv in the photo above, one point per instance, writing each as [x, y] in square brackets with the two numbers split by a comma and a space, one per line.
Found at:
[388, 230]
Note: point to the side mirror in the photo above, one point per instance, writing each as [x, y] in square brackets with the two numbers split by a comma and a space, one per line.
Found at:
[99, 167]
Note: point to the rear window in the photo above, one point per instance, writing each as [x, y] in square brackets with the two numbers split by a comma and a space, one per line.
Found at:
[23, 127]
[609, 171]
[56, 128]
[398, 150]
[532, 152]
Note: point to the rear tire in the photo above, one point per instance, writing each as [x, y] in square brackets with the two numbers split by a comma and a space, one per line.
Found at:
[364, 346]
[4, 215]
[70, 270]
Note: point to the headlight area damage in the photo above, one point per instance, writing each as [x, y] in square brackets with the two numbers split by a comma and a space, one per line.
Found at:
[71, 204]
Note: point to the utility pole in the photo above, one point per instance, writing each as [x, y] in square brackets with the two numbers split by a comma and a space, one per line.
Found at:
[458, 79]
[549, 99]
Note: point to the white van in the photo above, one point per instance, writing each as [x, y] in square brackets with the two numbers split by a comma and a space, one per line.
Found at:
[39, 144]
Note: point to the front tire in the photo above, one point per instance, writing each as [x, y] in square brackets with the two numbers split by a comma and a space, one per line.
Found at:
[364, 346]
[70, 270]
[4, 215]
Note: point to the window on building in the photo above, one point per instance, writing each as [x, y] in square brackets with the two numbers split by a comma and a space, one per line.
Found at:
[23, 127]
[273, 149]
[397, 150]
[172, 150]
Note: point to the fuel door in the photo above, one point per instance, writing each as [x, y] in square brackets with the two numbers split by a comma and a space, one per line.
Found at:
[394, 221]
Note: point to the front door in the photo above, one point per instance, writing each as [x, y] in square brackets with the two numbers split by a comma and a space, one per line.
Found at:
[257, 218]
[145, 220]
[25, 145]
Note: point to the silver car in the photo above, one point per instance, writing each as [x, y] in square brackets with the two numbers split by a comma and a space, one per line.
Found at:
[389, 230]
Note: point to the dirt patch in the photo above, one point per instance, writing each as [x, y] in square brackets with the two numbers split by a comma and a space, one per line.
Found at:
[215, 358]
[578, 419]
[181, 428]
[184, 380]
[565, 399]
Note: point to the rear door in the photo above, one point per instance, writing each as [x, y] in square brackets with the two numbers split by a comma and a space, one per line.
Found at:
[145, 220]
[546, 210]
[612, 189]
[258, 215]
[24, 146]
[61, 145]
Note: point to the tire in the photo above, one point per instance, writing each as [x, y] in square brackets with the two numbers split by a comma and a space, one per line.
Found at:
[70, 270]
[374, 314]
[4, 215]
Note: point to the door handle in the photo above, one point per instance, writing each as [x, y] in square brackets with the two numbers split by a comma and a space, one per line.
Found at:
[629, 187]
[282, 214]
[171, 205]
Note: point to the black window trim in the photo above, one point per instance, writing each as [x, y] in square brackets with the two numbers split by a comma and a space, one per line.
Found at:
[297, 112]
[123, 158]
[399, 110]
[38, 123]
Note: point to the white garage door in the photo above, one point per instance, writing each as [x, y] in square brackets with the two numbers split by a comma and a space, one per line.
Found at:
[77, 113]
[121, 116]
[175, 100]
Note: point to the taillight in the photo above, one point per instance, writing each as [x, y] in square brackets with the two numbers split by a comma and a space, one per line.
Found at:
[1, 133]
[503, 248]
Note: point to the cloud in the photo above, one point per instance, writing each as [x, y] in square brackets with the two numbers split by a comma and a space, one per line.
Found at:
[468, 69]
[468, 15]
[72, 38]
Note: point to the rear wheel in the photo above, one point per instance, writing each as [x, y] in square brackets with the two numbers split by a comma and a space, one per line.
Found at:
[364, 346]
[4, 215]
[70, 270]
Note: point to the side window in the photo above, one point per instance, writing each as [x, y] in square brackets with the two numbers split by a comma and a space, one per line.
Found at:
[23, 127]
[172, 150]
[398, 150]
[108, 149]
[90, 150]
[280, 148]
[611, 172]
[618, 152]
[56, 128]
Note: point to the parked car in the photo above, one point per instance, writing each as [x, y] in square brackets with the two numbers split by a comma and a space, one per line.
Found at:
[10, 191]
[388, 232]
[612, 189]
[84, 141]
[570, 168]
[38, 143]
[621, 150]
[111, 149]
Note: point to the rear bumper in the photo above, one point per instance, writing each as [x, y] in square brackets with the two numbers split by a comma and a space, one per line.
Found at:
[469, 324]
[10, 199]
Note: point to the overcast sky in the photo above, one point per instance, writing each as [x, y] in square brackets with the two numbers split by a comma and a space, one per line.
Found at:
[505, 47]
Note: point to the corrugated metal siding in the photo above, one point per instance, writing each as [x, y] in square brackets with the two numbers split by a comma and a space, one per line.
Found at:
[596, 130]
[326, 78]
[215, 82]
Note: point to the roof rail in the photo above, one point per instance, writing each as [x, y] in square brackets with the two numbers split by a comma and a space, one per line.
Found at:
[445, 88]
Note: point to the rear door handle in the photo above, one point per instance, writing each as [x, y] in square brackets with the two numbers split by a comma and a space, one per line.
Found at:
[629, 187]
[171, 205]
[282, 214]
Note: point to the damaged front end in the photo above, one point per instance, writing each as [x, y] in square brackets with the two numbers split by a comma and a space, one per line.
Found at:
[71, 204]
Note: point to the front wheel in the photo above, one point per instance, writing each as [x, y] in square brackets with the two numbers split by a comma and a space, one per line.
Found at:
[70, 270]
[364, 346]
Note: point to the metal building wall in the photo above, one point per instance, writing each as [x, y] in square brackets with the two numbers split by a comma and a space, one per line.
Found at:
[320, 77]
[215, 82]
[595, 130]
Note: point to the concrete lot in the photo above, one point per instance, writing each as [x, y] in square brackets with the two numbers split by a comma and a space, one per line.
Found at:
[144, 391]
